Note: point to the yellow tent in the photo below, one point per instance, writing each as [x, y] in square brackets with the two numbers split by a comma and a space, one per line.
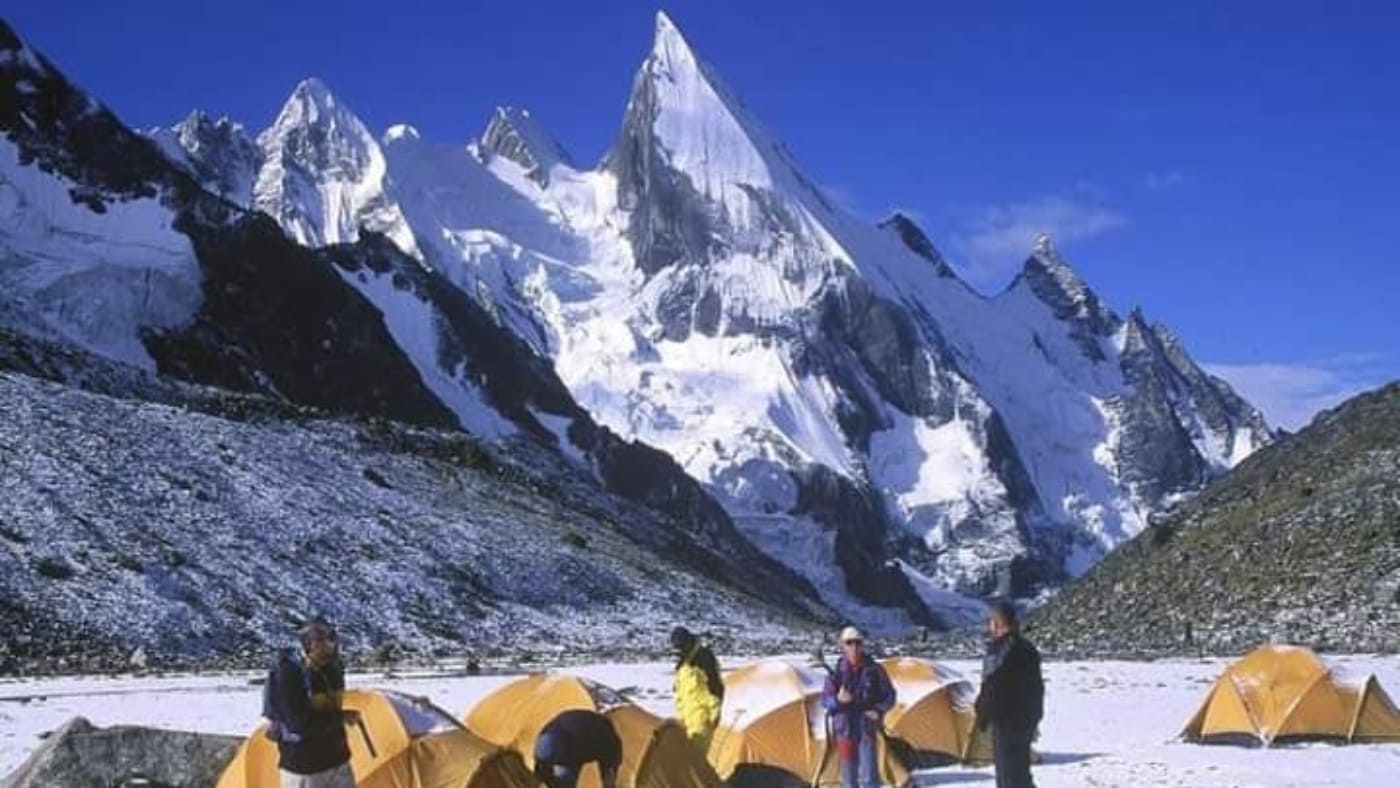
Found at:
[655, 753]
[406, 743]
[934, 715]
[1285, 693]
[773, 730]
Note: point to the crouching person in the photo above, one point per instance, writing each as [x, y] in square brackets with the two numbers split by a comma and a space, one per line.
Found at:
[571, 741]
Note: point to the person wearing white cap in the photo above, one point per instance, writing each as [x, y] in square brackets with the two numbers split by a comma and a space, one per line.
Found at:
[857, 695]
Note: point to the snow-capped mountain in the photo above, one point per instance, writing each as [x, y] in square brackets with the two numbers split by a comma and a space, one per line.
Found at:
[863, 415]
[218, 152]
[860, 413]
[112, 251]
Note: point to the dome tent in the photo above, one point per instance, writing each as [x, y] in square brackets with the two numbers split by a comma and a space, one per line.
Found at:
[406, 742]
[773, 731]
[1277, 694]
[656, 753]
[934, 714]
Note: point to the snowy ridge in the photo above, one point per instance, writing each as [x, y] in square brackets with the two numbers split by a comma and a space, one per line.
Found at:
[217, 152]
[516, 135]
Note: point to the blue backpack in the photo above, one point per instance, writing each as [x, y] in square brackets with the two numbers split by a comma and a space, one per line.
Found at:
[279, 726]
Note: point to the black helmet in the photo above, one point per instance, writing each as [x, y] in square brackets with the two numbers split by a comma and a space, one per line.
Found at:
[682, 639]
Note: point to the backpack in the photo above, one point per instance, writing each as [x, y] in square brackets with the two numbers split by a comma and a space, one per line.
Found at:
[279, 727]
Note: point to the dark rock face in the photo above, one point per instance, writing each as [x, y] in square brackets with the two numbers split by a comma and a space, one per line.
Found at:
[65, 131]
[1069, 298]
[276, 320]
[79, 754]
[913, 237]
[1300, 543]
[1157, 456]
[1224, 411]
[219, 154]
[1043, 564]
[514, 134]
[890, 349]
[514, 377]
[671, 222]
[861, 548]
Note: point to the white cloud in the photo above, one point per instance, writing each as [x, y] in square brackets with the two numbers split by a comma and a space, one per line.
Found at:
[1161, 181]
[1000, 239]
[1290, 394]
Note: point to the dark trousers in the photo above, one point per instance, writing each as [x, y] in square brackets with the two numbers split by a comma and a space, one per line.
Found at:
[1011, 748]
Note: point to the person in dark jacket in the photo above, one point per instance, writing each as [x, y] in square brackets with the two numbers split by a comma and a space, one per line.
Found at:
[571, 741]
[699, 688]
[857, 695]
[302, 704]
[1012, 698]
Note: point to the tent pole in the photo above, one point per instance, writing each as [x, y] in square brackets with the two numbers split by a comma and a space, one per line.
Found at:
[1360, 704]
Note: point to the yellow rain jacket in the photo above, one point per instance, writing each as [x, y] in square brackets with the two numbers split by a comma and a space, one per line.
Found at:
[696, 703]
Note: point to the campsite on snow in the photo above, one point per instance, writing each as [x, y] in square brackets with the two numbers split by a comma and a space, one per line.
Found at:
[349, 452]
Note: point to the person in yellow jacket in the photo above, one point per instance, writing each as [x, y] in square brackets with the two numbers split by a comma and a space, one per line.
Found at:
[699, 687]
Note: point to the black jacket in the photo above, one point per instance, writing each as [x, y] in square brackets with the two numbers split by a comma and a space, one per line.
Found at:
[319, 733]
[1013, 690]
[577, 737]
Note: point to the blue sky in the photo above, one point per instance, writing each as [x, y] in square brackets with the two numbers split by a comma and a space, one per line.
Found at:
[1231, 167]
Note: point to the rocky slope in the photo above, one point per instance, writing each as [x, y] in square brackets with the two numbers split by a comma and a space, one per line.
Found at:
[1300, 544]
[203, 530]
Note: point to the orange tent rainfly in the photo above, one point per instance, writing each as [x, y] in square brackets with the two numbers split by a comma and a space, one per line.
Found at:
[773, 730]
[934, 714]
[1283, 693]
[656, 753]
[405, 743]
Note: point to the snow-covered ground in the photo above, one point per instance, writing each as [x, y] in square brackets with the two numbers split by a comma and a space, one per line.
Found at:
[1108, 723]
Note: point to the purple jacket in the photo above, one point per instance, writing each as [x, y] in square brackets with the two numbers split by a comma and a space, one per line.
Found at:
[870, 689]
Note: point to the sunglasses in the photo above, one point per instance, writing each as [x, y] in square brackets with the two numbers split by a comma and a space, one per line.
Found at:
[855, 642]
